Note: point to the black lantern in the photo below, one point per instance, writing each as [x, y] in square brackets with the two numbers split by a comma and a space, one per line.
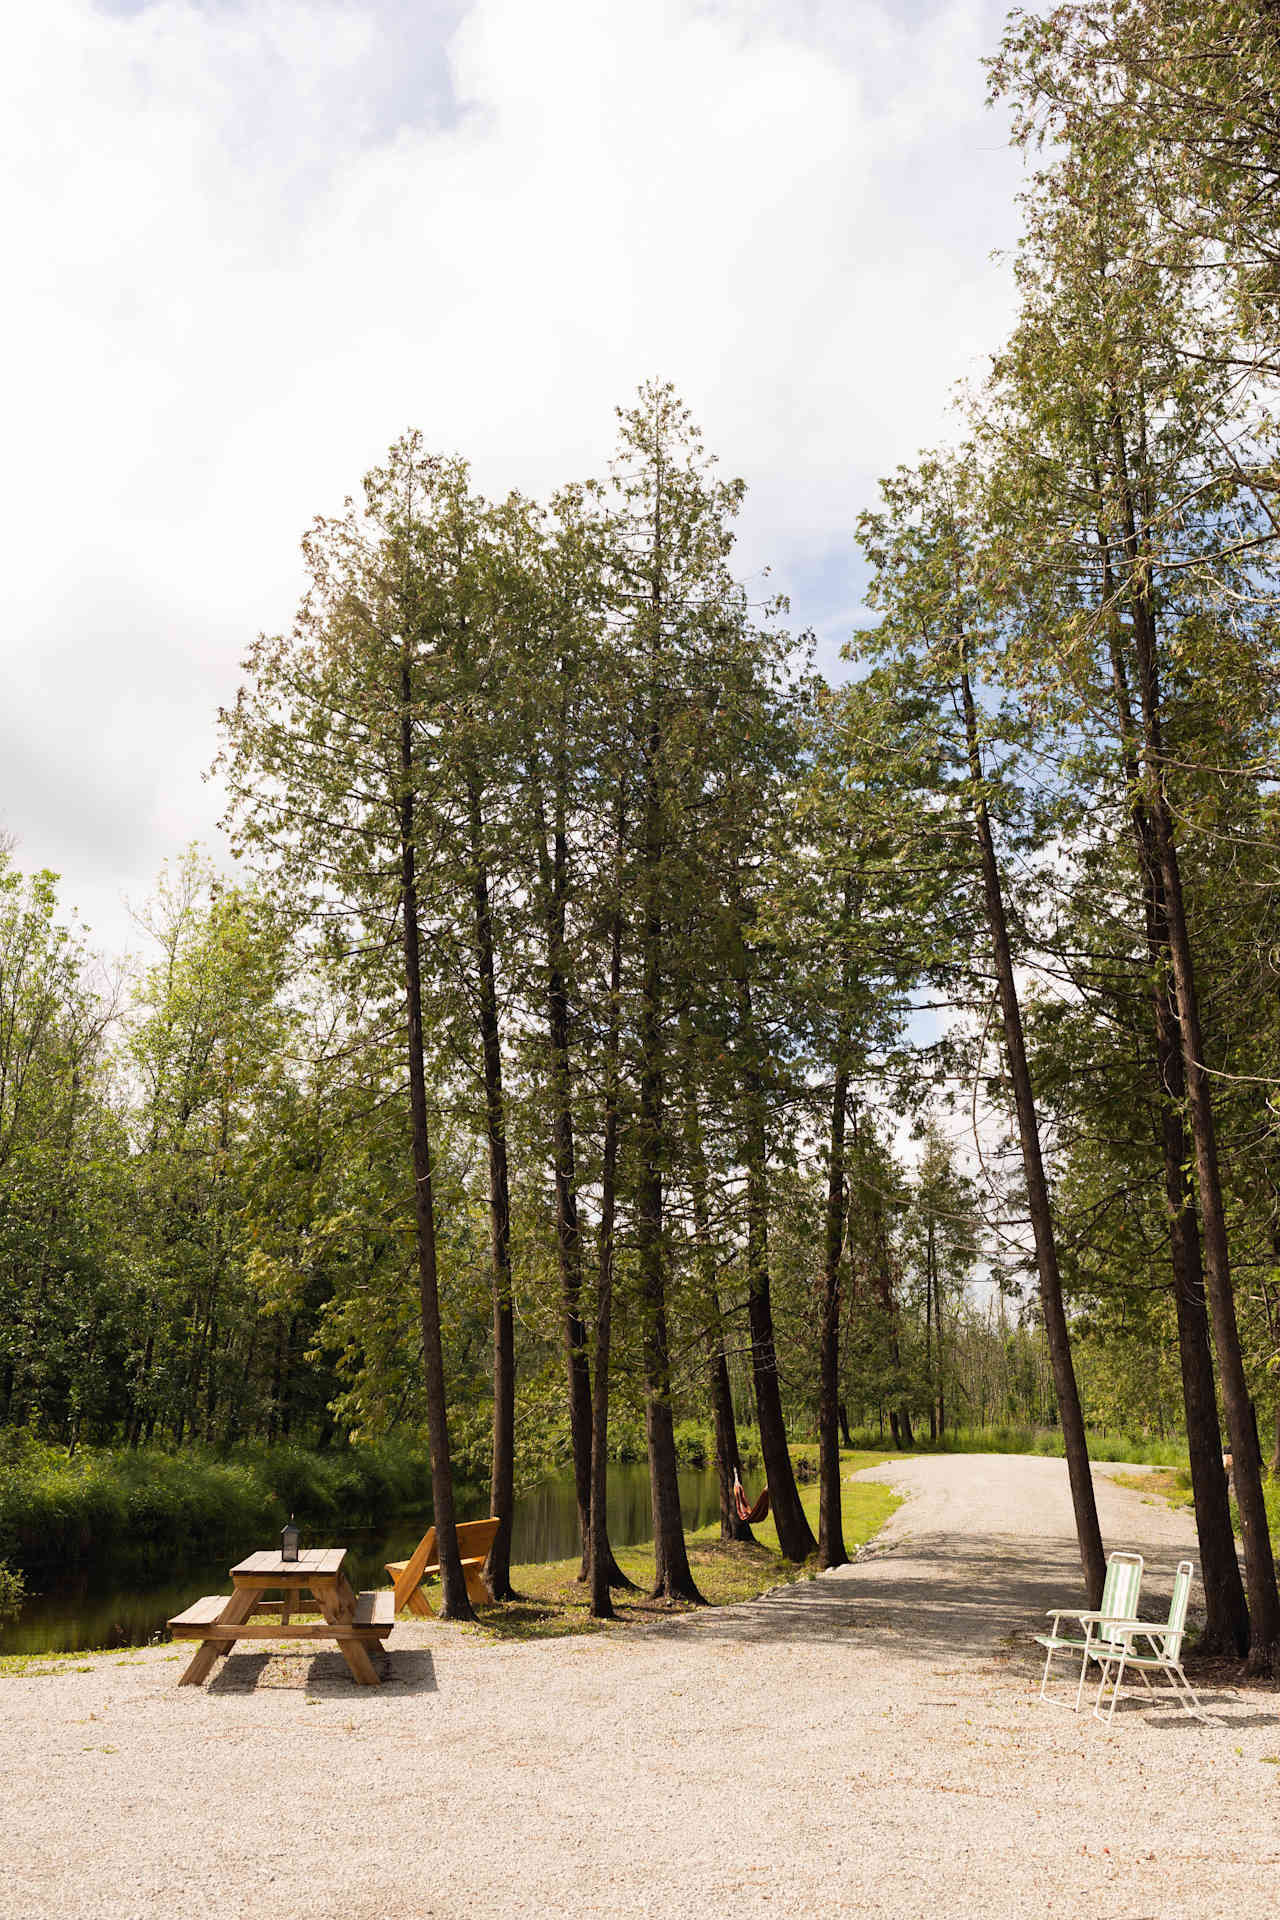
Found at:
[289, 1541]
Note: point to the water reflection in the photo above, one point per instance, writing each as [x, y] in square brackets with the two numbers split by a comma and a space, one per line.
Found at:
[99, 1612]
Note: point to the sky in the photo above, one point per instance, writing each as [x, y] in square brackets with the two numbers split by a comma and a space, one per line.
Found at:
[251, 241]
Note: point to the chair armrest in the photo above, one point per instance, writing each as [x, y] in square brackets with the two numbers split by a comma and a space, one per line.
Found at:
[1086, 1622]
[1154, 1633]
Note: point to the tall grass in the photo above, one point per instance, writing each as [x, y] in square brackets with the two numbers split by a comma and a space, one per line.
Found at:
[1042, 1440]
[142, 1510]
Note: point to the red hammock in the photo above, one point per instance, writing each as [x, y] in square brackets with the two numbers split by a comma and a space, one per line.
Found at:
[748, 1514]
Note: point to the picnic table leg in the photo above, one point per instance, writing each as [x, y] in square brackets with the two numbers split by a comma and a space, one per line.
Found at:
[338, 1605]
[234, 1614]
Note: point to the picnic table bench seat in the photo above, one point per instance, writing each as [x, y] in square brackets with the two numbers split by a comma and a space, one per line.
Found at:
[201, 1613]
[376, 1609]
[372, 1619]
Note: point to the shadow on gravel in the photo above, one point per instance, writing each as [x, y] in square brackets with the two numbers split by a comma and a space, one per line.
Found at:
[410, 1671]
[930, 1597]
[1173, 1720]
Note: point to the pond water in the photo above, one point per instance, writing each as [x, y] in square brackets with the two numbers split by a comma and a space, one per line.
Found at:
[101, 1611]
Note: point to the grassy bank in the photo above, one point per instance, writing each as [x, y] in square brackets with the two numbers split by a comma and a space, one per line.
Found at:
[145, 1509]
[1044, 1440]
[1174, 1486]
[149, 1509]
[552, 1602]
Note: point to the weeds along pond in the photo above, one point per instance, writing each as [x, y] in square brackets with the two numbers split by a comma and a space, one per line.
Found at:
[100, 1608]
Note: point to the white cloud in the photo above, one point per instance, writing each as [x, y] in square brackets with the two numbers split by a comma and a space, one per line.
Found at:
[249, 243]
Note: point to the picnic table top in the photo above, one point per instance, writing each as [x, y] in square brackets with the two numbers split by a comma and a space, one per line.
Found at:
[312, 1562]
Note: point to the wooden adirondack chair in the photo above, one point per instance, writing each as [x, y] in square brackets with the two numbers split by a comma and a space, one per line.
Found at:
[1094, 1629]
[475, 1537]
[1144, 1647]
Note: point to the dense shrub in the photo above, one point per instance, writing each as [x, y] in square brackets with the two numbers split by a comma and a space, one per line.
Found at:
[146, 1508]
[12, 1590]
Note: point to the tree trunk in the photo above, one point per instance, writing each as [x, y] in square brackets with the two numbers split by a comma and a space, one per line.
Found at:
[455, 1604]
[602, 1561]
[502, 1478]
[1260, 1576]
[553, 867]
[728, 1460]
[673, 1578]
[1226, 1628]
[1264, 1605]
[1064, 1378]
[795, 1535]
[846, 1438]
[937, 1314]
[831, 1547]
[928, 1333]
[899, 1418]
[140, 1387]
[569, 1243]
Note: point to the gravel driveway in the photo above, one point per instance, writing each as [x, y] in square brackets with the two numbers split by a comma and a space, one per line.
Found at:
[867, 1743]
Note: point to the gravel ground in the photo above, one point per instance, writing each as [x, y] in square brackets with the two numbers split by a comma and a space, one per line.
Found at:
[866, 1743]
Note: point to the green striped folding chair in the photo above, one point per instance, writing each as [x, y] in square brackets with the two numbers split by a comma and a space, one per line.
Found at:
[1091, 1631]
[1144, 1647]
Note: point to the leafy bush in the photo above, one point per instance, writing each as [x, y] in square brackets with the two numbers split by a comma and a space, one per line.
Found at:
[12, 1591]
[1271, 1494]
[695, 1446]
[145, 1509]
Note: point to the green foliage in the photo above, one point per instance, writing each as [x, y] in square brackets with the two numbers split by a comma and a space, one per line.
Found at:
[146, 1510]
[12, 1591]
[1137, 1449]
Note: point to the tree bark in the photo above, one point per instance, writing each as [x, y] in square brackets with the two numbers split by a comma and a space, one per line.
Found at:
[603, 1566]
[1260, 1576]
[928, 1333]
[502, 1478]
[899, 1417]
[1226, 1628]
[831, 1547]
[455, 1603]
[1088, 1533]
[554, 875]
[728, 1460]
[603, 1569]
[937, 1314]
[795, 1535]
[673, 1578]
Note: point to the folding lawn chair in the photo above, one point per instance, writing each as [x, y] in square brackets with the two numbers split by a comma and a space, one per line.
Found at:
[1093, 1627]
[1162, 1653]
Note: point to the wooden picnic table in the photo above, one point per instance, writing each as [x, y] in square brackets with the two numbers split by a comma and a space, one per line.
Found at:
[353, 1620]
